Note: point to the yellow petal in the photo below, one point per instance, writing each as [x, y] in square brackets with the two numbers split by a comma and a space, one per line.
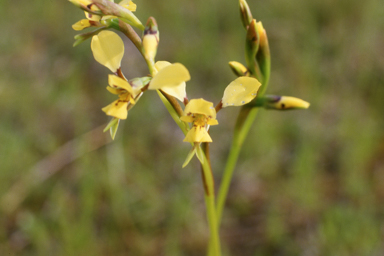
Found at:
[108, 49]
[91, 16]
[117, 109]
[240, 91]
[212, 122]
[150, 43]
[115, 81]
[178, 91]
[161, 64]
[114, 90]
[187, 119]
[81, 24]
[128, 5]
[197, 134]
[170, 76]
[200, 106]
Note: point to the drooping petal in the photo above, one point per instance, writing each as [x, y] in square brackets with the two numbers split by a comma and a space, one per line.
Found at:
[197, 134]
[115, 81]
[114, 90]
[178, 91]
[117, 109]
[81, 24]
[200, 106]
[108, 49]
[170, 76]
[240, 91]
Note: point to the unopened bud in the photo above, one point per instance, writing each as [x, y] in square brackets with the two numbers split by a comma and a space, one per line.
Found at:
[111, 8]
[139, 82]
[238, 68]
[150, 39]
[263, 56]
[245, 12]
[282, 102]
[251, 46]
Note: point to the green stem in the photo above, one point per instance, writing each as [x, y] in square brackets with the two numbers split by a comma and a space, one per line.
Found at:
[209, 196]
[243, 125]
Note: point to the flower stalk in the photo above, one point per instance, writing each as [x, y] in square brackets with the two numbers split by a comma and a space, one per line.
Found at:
[197, 116]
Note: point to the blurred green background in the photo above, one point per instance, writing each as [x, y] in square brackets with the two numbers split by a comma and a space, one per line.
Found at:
[307, 182]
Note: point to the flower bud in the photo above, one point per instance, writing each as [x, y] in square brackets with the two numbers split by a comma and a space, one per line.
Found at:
[263, 56]
[150, 39]
[238, 68]
[245, 12]
[281, 102]
[252, 46]
[111, 8]
[139, 82]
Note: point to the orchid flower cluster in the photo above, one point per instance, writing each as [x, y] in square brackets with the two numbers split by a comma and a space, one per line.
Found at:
[194, 116]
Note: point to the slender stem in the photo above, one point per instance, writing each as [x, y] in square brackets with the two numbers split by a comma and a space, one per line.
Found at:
[131, 34]
[173, 102]
[209, 189]
[242, 128]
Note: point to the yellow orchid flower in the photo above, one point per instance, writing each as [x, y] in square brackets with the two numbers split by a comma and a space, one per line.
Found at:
[240, 91]
[127, 4]
[108, 49]
[171, 79]
[201, 114]
[127, 94]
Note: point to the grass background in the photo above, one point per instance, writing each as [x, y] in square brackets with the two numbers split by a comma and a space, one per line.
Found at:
[307, 182]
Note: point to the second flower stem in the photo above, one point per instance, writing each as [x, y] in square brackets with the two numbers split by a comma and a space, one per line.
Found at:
[243, 125]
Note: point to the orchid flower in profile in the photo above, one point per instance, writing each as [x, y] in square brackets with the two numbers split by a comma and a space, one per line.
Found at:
[94, 19]
[126, 94]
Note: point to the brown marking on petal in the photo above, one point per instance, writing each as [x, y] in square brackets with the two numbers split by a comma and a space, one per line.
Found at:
[282, 105]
